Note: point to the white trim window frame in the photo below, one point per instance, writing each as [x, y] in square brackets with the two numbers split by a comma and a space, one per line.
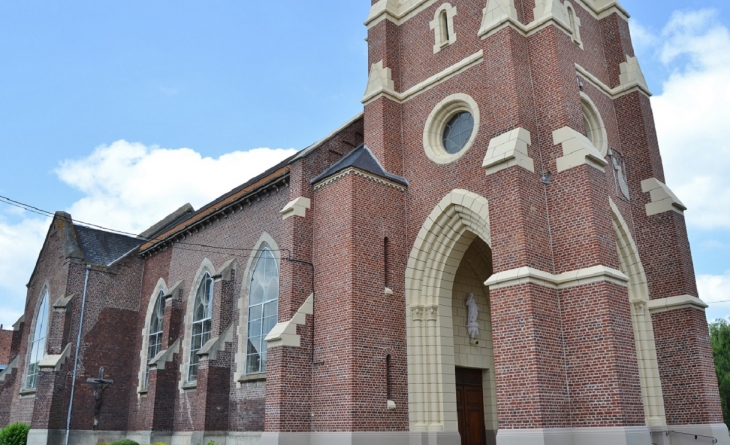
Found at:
[443, 27]
[202, 324]
[37, 345]
[263, 311]
[154, 338]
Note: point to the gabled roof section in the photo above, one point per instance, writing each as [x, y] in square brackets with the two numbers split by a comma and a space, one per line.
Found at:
[363, 159]
[237, 194]
[103, 248]
[171, 220]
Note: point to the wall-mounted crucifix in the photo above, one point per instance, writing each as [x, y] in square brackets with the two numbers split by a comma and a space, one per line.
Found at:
[99, 384]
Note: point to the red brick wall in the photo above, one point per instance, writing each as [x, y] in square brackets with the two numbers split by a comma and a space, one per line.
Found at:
[6, 338]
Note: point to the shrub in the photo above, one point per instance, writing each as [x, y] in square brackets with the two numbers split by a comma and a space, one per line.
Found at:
[15, 434]
[122, 442]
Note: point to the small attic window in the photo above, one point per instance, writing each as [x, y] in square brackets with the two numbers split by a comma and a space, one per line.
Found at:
[443, 27]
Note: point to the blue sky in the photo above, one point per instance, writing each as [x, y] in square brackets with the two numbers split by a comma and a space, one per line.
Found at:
[121, 111]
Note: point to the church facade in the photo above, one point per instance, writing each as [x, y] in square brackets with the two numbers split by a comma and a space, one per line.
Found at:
[488, 254]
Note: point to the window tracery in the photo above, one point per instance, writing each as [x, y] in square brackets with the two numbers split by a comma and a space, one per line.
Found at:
[154, 339]
[262, 310]
[38, 343]
[202, 323]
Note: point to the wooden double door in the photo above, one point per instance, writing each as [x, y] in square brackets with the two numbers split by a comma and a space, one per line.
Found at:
[470, 406]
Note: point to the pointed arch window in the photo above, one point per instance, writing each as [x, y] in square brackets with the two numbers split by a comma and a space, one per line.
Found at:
[154, 340]
[263, 310]
[202, 323]
[38, 344]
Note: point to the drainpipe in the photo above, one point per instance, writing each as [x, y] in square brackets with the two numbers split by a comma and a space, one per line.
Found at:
[76, 355]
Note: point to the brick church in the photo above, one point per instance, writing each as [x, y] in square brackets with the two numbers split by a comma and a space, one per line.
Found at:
[488, 254]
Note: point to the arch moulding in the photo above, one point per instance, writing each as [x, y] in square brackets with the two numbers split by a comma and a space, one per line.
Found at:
[454, 223]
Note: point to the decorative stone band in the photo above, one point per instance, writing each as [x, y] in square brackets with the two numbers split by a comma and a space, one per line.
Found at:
[631, 78]
[509, 149]
[355, 171]
[380, 81]
[217, 344]
[577, 150]
[546, 13]
[285, 334]
[675, 303]
[9, 370]
[53, 362]
[297, 207]
[424, 313]
[581, 277]
[400, 11]
[662, 198]
[163, 357]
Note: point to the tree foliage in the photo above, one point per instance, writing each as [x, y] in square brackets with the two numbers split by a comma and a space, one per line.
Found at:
[720, 339]
[15, 434]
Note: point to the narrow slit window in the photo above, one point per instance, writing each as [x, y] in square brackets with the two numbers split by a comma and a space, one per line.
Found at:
[386, 261]
[444, 27]
[388, 378]
[202, 323]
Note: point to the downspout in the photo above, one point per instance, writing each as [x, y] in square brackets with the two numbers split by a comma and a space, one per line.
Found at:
[76, 355]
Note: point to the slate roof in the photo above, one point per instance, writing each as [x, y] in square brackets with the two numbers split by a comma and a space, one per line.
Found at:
[100, 247]
[362, 159]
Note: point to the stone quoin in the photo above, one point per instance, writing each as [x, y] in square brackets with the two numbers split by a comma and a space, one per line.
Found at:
[325, 300]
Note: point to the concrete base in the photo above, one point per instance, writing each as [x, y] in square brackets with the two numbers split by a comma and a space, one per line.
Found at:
[685, 434]
[632, 435]
[362, 438]
[57, 437]
[75, 437]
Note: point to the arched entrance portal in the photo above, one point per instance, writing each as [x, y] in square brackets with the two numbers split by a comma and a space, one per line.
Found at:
[630, 265]
[451, 258]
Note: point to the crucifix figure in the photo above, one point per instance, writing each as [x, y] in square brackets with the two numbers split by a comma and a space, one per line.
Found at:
[100, 384]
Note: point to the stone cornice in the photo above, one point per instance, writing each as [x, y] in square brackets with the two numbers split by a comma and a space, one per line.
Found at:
[676, 303]
[358, 172]
[614, 93]
[524, 275]
[400, 11]
[380, 84]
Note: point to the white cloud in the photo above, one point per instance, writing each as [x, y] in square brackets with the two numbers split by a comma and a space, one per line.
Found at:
[19, 247]
[692, 115]
[126, 186]
[129, 186]
[715, 291]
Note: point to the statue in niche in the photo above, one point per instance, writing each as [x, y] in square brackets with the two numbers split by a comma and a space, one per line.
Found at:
[619, 168]
[472, 318]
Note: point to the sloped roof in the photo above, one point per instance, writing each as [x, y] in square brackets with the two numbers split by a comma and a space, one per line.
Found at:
[101, 247]
[362, 159]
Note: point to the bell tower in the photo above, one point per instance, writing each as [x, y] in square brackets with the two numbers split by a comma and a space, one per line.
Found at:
[524, 131]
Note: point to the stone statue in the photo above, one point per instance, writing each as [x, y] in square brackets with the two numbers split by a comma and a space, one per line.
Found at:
[472, 319]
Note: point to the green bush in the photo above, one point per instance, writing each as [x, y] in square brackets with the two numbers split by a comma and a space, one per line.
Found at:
[15, 434]
[122, 442]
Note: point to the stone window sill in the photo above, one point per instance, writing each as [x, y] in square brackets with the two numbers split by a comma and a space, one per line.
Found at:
[252, 378]
[190, 386]
[27, 392]
[142, 392]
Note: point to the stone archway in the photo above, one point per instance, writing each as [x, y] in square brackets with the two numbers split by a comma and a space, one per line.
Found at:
[630, 264]
[445, 236]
